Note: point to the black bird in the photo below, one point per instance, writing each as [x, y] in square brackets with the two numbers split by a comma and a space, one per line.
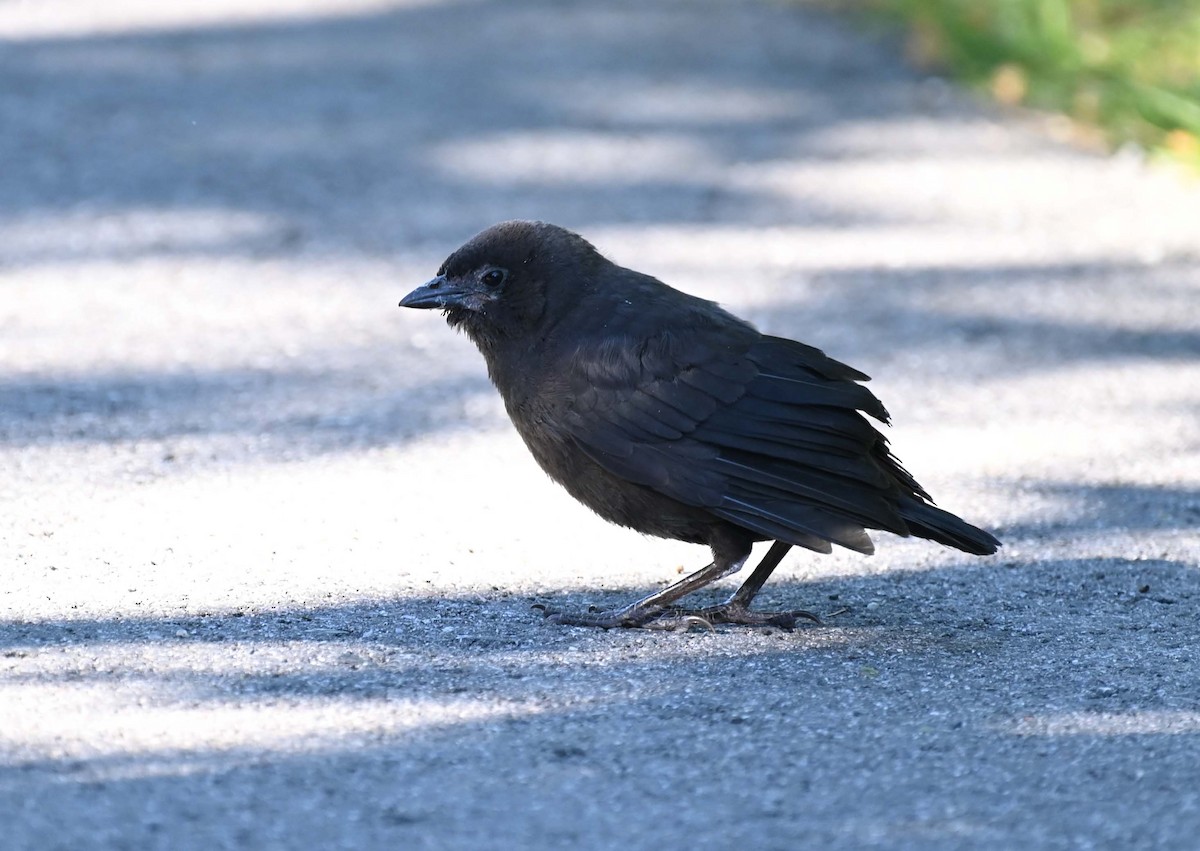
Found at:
[664, 413]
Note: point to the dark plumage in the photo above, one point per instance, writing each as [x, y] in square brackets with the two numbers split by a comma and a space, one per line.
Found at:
[664, 413]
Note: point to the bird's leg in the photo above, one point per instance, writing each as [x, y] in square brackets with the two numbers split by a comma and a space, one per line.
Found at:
[744, 595]
[737, 608]
[645, 612]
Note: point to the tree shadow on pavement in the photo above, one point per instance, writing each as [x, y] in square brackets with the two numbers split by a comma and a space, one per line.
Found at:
[1091, 508]
[985, 702]
[296, 413]
[993, 320]
[890, 322]
[333, 129]
[330, 130]
[1036, 677]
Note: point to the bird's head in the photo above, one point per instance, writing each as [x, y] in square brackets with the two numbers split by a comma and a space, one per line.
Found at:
[504, 281]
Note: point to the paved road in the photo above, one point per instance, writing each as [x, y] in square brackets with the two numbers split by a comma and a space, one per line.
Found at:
[269, 546]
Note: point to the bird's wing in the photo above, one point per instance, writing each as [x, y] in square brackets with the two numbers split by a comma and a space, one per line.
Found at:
[765, 432]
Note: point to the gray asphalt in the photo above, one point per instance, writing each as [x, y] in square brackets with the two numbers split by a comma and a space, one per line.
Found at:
[270, 546]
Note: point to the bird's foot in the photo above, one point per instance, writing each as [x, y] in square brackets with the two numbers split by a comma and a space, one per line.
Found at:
[655, 617]
[736, 613]
[630, 617]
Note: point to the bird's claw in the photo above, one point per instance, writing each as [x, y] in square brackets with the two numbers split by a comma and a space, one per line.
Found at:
[679, 623]
[675, 619]
[738, 614]
[630, 617]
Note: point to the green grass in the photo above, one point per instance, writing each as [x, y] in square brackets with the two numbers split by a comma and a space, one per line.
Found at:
[1124, 70]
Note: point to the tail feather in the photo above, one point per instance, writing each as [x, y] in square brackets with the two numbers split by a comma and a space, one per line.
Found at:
[929, 521]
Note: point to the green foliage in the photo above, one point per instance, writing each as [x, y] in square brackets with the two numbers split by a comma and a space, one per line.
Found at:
[1128, 67]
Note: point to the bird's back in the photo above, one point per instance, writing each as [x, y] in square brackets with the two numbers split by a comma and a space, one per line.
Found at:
[648, 403]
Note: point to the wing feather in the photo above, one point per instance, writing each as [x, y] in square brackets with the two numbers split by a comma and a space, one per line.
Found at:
[768, 434]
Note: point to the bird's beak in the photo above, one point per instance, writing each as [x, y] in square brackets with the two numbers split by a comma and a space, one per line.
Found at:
[438, 293]
[445, 293]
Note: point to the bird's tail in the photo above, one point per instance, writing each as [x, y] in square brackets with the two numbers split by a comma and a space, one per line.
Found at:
[929, 521]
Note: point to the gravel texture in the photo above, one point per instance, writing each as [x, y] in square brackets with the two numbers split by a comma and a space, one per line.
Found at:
[270, 546]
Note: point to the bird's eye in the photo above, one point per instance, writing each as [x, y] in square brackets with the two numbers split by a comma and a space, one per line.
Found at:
[494, 277]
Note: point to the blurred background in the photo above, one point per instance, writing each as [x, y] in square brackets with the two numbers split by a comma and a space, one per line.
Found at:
[260, 526]
[1119, 74]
